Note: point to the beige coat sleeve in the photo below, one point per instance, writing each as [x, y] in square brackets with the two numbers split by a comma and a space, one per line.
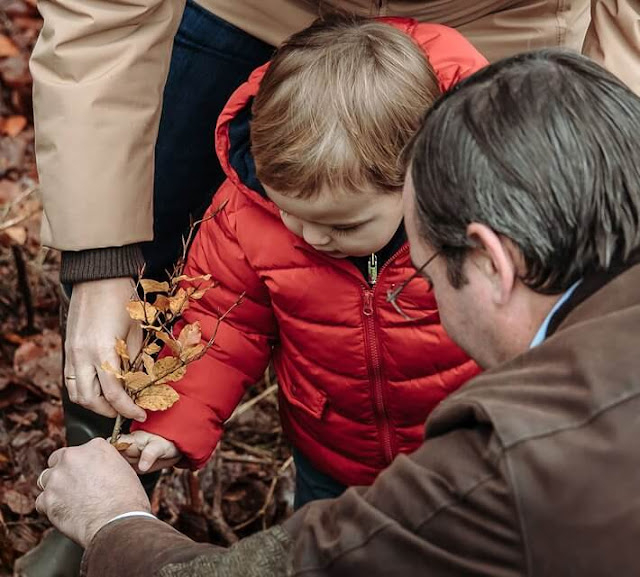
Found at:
[99, 69]
[613, 38]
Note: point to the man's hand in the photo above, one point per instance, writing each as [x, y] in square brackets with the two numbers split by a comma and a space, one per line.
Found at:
[97, 316]
[87, 486]
[149, 452]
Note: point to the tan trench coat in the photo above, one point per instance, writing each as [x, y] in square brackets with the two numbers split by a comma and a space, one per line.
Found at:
[99, 68]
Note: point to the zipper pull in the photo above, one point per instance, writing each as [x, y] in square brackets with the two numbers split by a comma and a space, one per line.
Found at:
[368, 303]
[372, 269]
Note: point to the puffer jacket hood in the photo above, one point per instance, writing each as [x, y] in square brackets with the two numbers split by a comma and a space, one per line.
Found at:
[356, 380]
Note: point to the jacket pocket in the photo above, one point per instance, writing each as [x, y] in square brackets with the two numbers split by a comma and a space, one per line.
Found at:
[308, 399]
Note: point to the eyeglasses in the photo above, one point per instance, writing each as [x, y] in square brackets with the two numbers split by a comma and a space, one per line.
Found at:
[394, 293]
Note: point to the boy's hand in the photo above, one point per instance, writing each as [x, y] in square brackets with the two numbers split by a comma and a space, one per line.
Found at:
[148, 452]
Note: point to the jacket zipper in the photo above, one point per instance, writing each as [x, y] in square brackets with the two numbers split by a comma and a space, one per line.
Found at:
[375, 365]
[373, 357]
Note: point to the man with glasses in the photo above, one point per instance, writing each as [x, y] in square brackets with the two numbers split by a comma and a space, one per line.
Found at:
[522, 207]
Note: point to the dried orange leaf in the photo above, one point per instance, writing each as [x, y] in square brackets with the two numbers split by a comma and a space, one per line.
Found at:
[148, 363]
[157, 398]
[192, 353]
[7, 47]
[15, 235]
[142, 311]
[153, 286]
[184, 277]
[162, 303]
[190, 335]
[197, 295]
[122, 350]
[14, 125]
[179, 302]
[169, 369]
[152, 349]
[122, 446]
[20, 504]
[135, 381]
[106, 366]
[168, 340]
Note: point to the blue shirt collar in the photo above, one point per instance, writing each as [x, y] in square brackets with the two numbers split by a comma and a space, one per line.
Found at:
[544, 327]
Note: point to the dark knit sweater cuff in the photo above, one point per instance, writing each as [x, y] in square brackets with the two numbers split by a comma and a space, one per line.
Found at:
[101, 263]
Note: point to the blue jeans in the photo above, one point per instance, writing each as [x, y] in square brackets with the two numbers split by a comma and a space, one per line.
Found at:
[210, 59]
[312, 484]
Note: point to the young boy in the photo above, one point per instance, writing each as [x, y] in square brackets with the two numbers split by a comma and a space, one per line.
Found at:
[312, 233]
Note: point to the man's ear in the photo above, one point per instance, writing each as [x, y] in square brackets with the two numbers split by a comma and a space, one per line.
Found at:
[494, 259]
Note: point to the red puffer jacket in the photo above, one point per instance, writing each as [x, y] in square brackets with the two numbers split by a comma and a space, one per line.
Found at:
[357, 381]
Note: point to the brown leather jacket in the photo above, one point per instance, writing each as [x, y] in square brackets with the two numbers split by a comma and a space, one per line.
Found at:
[99, 68]
[531, 469]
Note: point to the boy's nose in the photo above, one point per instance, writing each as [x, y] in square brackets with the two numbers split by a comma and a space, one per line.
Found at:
[315, 236]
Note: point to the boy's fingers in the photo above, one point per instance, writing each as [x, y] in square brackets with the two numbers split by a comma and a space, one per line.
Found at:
[137, 442]
[150, 454]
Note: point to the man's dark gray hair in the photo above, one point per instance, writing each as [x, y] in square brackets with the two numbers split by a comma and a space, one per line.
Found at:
[544, 148]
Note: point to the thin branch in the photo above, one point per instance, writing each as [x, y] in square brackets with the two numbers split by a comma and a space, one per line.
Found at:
[17, 220]
[249, 404]
[116, 429]
[234, 457]
[258, 452]
[7, 208]
[217, 517]
[195, 492]
[265, 507]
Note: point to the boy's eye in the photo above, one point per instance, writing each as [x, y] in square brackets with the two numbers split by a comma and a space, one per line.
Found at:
[345, 229]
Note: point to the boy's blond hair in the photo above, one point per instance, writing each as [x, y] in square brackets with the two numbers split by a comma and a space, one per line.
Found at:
[337, 105]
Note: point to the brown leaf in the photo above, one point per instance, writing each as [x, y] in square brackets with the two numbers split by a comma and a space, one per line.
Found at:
[106, 366]
[142, 311]
[179, 302]
[23, 538]
[153, 286]
[184, 277]
[152, 349]
[39, 360]
[192, 353]
[197, 295]
[168, 340]
[148, 363]
[169, 369]
[135, 381]
[34, 24]
[25, 438]
[13, 235]
[7, 47]
[190, 335]
[12, 153]
[157, 398]
[162, 303]
[18, 503]
[14, 125]
[122, 350]
[14, 71]
[9, 191]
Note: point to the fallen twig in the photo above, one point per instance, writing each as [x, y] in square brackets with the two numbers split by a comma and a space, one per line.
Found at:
[267, 501]
[246, 406]
[217, 517]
